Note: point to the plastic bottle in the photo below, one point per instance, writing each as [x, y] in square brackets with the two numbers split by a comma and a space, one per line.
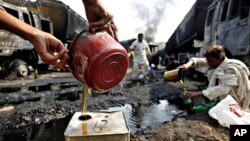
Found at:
[204, 107]
[189, 105]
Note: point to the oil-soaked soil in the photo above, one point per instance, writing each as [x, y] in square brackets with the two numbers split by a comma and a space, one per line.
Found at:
[29, 119]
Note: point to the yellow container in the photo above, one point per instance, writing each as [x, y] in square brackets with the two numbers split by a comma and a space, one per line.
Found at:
[172, 75]
[102, 126]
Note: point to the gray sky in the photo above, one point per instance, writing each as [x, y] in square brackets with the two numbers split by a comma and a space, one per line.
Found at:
[134, 16]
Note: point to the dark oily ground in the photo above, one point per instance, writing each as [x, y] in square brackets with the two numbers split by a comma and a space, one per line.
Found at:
[183, 127]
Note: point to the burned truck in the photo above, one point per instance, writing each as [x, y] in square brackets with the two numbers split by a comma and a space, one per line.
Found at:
[66, 22]
[190, 29]
[224, 22]
[17, 54]
[228, 24]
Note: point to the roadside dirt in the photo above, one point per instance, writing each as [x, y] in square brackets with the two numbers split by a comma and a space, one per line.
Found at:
[184, 127]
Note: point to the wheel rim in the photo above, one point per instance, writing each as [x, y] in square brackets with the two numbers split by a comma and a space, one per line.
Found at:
[23, 70]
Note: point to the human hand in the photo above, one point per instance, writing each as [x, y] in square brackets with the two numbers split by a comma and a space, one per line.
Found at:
[186, 66]
[183, 67]
[99, 18]
[193, 94]
[50, 49]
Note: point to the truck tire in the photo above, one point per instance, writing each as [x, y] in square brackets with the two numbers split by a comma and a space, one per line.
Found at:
[20, 68]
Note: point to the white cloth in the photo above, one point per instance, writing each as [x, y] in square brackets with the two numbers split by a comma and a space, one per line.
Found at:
[140, 52]
[232, 78]
[140, 69]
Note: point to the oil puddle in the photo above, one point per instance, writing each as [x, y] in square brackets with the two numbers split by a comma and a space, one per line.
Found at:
[142, 117]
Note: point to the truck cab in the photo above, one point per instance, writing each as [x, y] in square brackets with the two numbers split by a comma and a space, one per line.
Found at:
[228, 24]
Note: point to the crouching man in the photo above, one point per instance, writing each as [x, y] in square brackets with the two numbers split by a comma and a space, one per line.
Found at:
[226, 76]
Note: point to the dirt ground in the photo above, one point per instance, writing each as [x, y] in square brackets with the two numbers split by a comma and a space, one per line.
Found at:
[184, 127]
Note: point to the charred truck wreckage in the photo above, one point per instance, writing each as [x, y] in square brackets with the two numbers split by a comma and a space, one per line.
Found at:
[226, 23]
[17, 54]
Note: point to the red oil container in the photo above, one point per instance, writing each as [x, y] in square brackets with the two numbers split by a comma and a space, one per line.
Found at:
[97, 60]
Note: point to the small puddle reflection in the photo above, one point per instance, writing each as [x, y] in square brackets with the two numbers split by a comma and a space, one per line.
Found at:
[141, 117]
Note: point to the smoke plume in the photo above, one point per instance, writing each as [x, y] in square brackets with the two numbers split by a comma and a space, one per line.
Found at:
[152, 13]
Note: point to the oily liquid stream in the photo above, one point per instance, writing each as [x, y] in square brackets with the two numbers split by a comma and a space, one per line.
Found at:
[184, 88]
[85, 94]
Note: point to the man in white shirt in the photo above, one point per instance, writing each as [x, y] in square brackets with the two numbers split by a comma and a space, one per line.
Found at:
[226, 76]
[140, 50]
